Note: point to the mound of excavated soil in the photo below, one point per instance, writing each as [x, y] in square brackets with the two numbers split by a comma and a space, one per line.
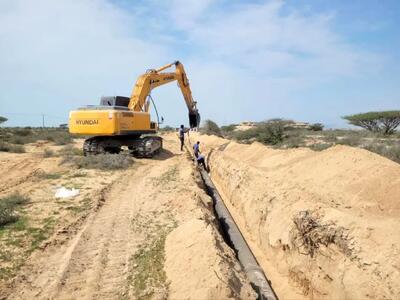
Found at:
[322, 224]
[196, 248]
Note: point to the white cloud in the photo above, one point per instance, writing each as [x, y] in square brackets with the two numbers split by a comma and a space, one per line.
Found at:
[265, 39]
[57, 55]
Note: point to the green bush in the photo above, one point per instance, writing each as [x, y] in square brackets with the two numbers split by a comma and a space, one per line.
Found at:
[211, 128]
[270, 133]
[316, 127]
[3, 119]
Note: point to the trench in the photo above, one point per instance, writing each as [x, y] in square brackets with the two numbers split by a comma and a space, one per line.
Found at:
[234, 238]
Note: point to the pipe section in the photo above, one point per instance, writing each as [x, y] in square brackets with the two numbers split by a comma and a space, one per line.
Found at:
[255, 274]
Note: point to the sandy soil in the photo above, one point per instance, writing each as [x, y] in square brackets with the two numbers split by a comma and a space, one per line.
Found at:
[324, 225]
[144, 232]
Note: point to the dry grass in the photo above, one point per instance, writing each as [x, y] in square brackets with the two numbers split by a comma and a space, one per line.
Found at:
[309, 234]
[6, 147]
[101, 161]
[21, 136]
[9, 207]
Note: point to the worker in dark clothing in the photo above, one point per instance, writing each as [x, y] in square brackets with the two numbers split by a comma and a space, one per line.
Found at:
[196, 149]
[182, 136]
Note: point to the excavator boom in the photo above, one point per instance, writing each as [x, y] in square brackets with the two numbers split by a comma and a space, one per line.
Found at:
[155, 78]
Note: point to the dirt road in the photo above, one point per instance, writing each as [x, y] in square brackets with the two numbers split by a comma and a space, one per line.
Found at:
[118, 251]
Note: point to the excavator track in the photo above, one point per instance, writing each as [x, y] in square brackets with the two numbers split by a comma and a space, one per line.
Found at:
[141, 147]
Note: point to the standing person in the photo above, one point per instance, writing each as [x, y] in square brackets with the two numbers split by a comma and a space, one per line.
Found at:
[196, 149]
[182, 136]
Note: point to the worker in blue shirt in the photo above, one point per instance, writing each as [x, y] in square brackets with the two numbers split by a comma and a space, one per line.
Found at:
[196, 149]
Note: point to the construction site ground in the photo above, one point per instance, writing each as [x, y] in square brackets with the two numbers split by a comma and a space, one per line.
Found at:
[147, 232]
[322, 225]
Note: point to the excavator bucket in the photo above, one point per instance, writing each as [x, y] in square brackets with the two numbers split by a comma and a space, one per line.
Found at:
[194, 120]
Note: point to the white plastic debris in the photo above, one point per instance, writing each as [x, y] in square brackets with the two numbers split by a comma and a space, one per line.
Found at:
[66, 193]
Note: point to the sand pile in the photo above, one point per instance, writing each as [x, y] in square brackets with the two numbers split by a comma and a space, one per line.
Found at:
[322, 224]
[200, 266]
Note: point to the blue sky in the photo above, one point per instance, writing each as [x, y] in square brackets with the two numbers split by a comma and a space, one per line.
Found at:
[310, 61]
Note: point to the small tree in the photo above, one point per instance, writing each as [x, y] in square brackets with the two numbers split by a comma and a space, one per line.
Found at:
[316, 127]
[210, 127]
[272, 132]
[385, 122]
[3, 119]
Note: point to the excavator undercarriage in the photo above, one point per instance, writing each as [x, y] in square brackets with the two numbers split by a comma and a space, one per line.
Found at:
[139, 146]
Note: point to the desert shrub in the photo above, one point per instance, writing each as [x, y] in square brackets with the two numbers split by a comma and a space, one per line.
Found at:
[17, 149]
[104, 161]
[7, 214]
[320, 147]
[167, 129]
[245, 135]
[9, 207]
[210, 127]
[48, 152]
[391, 151]
[18, 140]
[316, 127]
[5, 147]
[58, 137]
[22, 132]
[352, 140]
[16, 199]
[271, 133]
[70, 150]
[330, 137]
[228, 128]
[293, 141]
[385, 122]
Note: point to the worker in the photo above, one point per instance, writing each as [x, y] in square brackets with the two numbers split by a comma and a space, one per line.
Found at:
[201, 161]
[196, 149]
[182, 132]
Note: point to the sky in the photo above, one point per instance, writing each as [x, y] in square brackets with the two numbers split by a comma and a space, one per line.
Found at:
[312, 61]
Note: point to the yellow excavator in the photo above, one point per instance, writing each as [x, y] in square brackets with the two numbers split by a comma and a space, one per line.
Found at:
[125, 121]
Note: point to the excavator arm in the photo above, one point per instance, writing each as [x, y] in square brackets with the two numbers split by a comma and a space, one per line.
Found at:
[154, 78]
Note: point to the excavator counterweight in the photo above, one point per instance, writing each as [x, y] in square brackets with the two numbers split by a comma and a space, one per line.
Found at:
[125, 121]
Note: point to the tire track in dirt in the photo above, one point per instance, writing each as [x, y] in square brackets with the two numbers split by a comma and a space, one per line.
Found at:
[95, 262]
[20, 171]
